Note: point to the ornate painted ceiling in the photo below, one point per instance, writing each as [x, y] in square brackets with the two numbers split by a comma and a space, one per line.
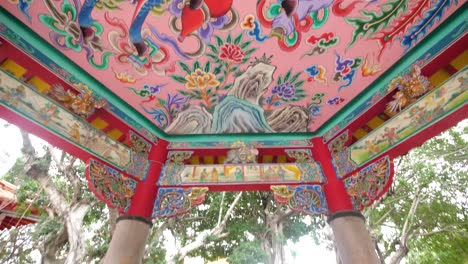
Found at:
[215, 67]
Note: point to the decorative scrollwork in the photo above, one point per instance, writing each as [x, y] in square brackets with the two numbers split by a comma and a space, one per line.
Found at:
[110, 186]
[173, 167]
[171, 202]
[139, 144]
[311, 170]
[339, 143]
[306, 199]
[178, 157]
[369, 183]
[340, 155]
[138, 166]
[301, 155]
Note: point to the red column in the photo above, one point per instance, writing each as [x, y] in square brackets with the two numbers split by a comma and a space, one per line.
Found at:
[335, 191]
[145, 193]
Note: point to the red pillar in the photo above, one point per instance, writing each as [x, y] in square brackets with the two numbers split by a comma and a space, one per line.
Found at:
[353, 241]
[335, 191]
[145, 193]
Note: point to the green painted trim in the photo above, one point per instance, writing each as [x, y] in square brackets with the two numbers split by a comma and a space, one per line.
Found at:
[39, 43]
[404, 111]
[456, 19]
[57, 133]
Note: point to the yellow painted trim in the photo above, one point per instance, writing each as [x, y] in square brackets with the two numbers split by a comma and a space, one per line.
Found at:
[12, 67]
[359, 133]
[194, 160]
[40, 84]
[281, 159]
[461, 61]
[208, 159]
[267, 159]
[115, 133]
[375, 122]
[221, 159]
[99, 123]
[439, 77]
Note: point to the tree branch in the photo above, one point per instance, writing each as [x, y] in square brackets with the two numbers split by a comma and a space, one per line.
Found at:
[409, 218]
[221, 208]
[231, 208]
[383, 218]
[403, 250]
[37, 168]
[285, 215]
[113, 215]
[68, 171]
[449, 228]
[202, 238]
[379, 252]
[28, 149]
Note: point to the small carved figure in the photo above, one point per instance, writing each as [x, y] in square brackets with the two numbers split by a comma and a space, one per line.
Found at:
[241, 154]
[83, 104]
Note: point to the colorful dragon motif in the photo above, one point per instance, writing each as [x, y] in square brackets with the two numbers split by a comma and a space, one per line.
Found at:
[369, 183]
[171, 202]
[306, 199]
[110, 186]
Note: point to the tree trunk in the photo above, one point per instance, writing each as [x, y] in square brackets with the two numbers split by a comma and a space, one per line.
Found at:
[75, 230]
[278, 243]
[51, 246]
[273, 241]
[400, 254]
[71, 213]
[113, 215]
[48, 259]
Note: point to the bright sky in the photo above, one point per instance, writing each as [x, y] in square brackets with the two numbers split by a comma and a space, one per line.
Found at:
[11, 144]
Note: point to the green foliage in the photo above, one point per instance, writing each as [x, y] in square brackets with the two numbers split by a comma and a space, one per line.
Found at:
[46, 233]
[247, 221]
[16, 245]
[248, 252]
[436, 172]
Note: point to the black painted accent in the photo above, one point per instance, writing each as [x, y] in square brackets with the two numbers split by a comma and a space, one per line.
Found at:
[135, 218]
[343, 214]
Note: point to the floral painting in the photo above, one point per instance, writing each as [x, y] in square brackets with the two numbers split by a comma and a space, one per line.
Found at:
[58, 120]
[228, 67]
[426, 111]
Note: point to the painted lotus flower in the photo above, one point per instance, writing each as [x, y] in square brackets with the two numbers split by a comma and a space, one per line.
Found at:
[231, 53]
[201, 80]
[284, 91]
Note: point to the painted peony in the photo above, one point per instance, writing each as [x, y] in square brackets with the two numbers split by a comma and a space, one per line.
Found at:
[231, 53]
[284, 91]
[201, 80]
